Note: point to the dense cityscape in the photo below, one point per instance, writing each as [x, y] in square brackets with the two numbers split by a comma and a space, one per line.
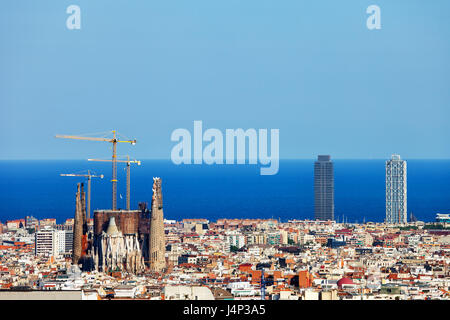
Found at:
[226, 260]
[224, 159]
[137, 254]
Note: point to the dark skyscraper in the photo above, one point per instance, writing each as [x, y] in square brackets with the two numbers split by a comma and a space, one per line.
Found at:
[396, 190]
[323, 188]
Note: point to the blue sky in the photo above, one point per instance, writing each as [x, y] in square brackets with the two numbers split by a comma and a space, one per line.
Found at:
[145, 68]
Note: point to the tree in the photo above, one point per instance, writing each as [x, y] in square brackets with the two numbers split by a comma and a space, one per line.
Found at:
[234, 249]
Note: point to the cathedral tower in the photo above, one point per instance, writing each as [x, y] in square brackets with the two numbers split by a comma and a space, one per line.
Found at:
[157, 246]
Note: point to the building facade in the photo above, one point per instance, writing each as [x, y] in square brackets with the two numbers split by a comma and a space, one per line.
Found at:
[50, 242]
[120, 240]
[396, 211]
[69, 241]
[31, 222]
[323, 188]
[128, 240]
[443, 217]
[236, 239]
[119, 252]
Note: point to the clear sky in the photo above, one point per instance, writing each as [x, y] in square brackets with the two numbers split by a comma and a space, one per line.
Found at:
[145, 68]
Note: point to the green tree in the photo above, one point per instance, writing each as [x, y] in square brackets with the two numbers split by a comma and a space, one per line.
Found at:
[234, 248]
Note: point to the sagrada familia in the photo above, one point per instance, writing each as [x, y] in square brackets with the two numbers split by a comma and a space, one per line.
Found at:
[122, 240]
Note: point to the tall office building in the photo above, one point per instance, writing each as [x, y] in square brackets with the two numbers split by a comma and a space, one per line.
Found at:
[396, 190]
[323, 188]
[157, 245]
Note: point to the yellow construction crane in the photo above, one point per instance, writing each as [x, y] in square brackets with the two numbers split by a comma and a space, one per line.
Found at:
[114, 141]
[128, 162]
[88, 176]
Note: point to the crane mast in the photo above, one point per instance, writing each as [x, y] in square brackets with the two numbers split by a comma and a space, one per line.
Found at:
[128, 162]
[114, 172]
[114, 141]
[88, 176]
[263, 283]
[128, 185]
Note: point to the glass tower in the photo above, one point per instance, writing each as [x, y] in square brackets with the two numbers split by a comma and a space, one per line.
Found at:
[396, 190]
[323, 188]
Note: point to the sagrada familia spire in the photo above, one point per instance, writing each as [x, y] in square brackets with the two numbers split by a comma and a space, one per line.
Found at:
[81, 242]
[79, 225]
[157, 247]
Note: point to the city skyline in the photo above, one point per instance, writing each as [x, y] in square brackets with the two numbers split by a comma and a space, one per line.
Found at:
[301, 149]
[393, 262]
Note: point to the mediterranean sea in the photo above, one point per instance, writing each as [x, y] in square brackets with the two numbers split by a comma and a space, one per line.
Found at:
[222, 191]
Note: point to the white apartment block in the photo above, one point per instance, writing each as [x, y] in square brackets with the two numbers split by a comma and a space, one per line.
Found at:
[50, 242]
[236, 239]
